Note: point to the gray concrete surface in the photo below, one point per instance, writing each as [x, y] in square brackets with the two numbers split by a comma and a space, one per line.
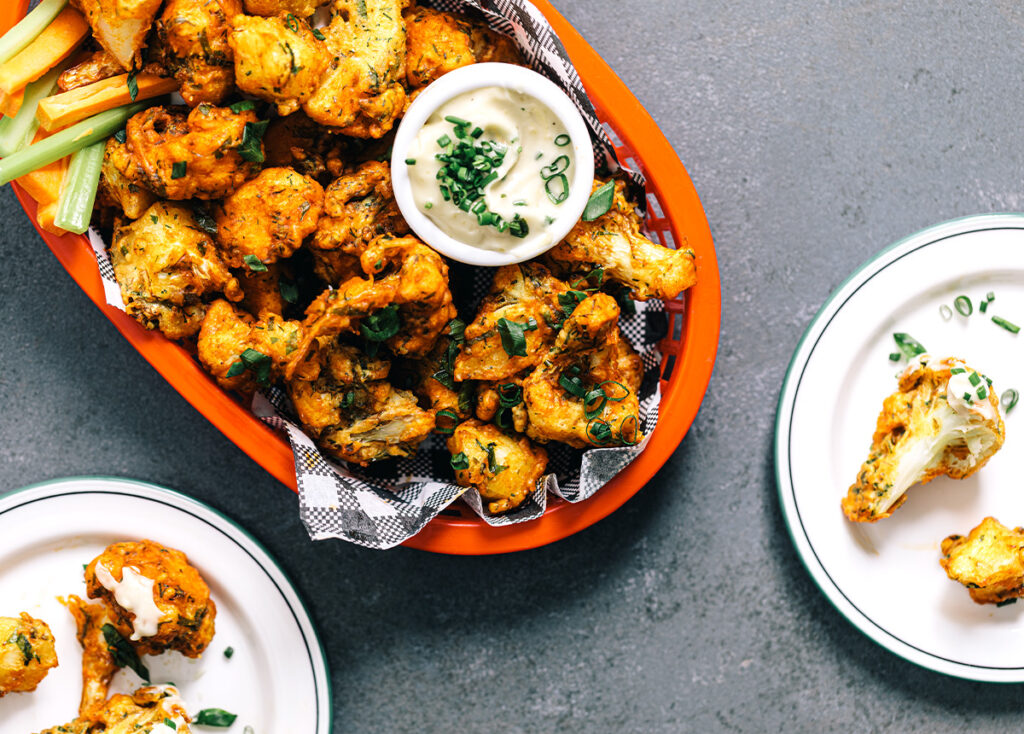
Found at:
[816, 134]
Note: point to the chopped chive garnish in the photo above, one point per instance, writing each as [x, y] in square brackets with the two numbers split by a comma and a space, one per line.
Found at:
[957, 371]
[982, 393]
[562, 140]
[254, 264]
[1009, 399]
[448, 428]
[983, 306]
[428, 205]
[179, 169]
[457, 121]
[1008, 325]
[557, 188]
[410, 161]
[169, 723]
[228, 652]
[963, 305]
[444, 141]
[990, 296]
[894, 356]
[243, 106]
[974, 379]
[318, 35]
[946, 312]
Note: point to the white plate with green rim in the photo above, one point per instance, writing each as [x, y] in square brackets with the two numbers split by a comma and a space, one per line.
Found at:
[276, 679]
[885, 577]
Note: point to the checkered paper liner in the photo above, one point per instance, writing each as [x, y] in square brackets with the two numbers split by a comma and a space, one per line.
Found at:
[386, 504]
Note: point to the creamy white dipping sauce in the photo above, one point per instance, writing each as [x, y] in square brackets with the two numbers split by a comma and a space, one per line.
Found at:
[533, 178]
[960, 385]
[134, 592]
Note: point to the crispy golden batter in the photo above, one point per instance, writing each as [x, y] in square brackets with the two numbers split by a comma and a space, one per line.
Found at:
[193, 157]
[228, 332]
[263, 289]
[301, 8]
[919, 436]
[502, 402]
[278, 59]
[591, 352]
[989, 561]
[298, 142]
[503, 468]
[352, 412]
[358, 207]
[268, 217]
[145, 709]
[525, 294]
[191, 40]
[435, 385]
[78, 726]
[120, 26]
[613, 242]
[26, 653]
[440, 42]
[179, 592]
[362, 93]
[123, 182]
[98, 666]
[98, 66]
[166, 265]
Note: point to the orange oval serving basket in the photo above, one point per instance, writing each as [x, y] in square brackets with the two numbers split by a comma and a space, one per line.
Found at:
[675, 216]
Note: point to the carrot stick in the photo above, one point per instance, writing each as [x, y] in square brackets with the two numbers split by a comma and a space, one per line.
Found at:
[43, 184]
[11, 103]
[51, 47]
[67, 108]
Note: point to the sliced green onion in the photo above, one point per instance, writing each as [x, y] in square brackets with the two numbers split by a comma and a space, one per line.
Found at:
[562, 140]
[492, 461]
[1008, 325]
[557, 188]
[318, 35]
[459, 461]
[513, 336]
[215, 717]
[983, 306]
[963, 305]
[122, 653]
[179, 169]
[557, 166]
[254, 264]
[450, 415]
[509, 395]
[250, 148]
[133, 86]
[974, 379]
[244, 106]
[16, 132]
[28, 28]
[1009, 399]
[228, 652]
[410, 161]
[258, 363]
[946, 312]
[444, 141]
[593, 403]
[910, 346]
[78, 192]
[894, 356]
[990, 296]
[380, 325]
[600, 202]
[67, 141]
[457, 121]
[634, 427]
[599, 431]
[957, 371]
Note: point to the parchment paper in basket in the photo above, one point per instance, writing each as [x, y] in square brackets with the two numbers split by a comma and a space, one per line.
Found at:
[385, 505]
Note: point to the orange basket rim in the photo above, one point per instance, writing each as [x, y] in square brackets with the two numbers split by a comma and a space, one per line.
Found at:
[694, 352]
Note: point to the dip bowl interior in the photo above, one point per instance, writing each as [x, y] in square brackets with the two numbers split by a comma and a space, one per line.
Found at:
[518, 79]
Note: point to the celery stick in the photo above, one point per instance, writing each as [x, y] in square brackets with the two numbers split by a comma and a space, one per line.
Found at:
[77, 195]
[26, 30]
[16, 132]
[67, 141]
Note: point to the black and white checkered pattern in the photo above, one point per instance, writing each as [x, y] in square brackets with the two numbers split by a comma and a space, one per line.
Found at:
[387, 503]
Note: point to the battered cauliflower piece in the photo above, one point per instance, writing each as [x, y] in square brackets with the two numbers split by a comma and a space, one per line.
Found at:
[527, 297]
[439, 42]
[503, 468]
[278, 59]
[358, 207]
[166, 265]
[123, 182]
[243, 353]
[157, 600]
[262, 289]
[192, 43]
[585, 392]
[99, 65]
[989, 562]
[352, 412]
[436, 387]
[193, 157]
[301, 8]
[26, 653]
[362, 94]
[121, 26]
[147, 711]
[613, 242]
[502, 402]
[942, 419]
[298, 142]
[268, 217]
[98, 666]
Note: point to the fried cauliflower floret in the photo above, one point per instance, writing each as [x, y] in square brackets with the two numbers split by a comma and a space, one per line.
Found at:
[78, 726]
[300, 8]
[191, 39]
[278, 59]
[123, 182]
[262, 289]
[166, 265]
[268, 217]
[989, 561]
[502, 402]
[194, 156]
[942, 419]
[590, 354]
[99, 65]
[298, 142]
[503, 468]
[146, 710]
[157, 600]
[27, 653]
[613, 242]
[436, 387]
[440, 42]
[358, 207]
[527, 296]
[352, 412]
[243, 353]
[362, 94]
[120, 26]
[98, 666]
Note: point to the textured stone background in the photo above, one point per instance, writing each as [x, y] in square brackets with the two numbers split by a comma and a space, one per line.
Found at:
[816, 133]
